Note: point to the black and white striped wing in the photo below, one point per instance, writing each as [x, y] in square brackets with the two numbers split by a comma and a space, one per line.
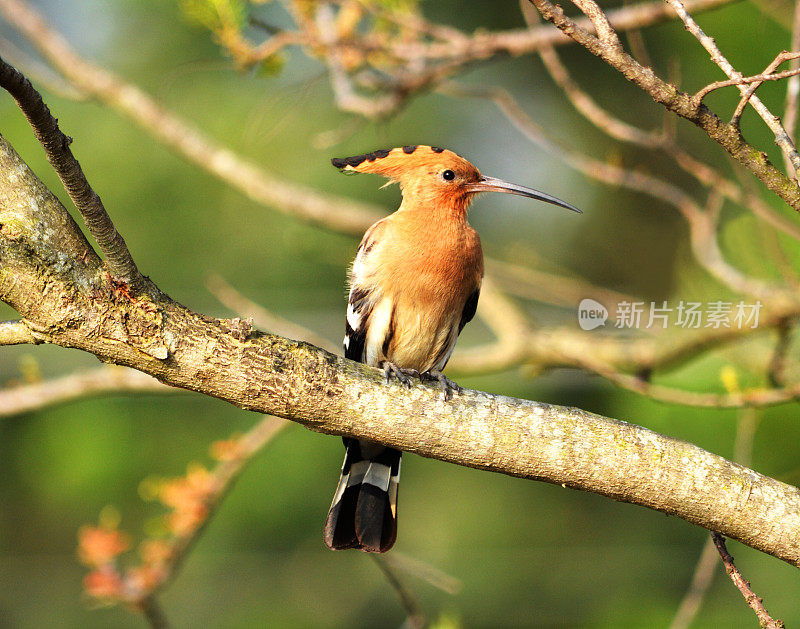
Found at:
[360, 301]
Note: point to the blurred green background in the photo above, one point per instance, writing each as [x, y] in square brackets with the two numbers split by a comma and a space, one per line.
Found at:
[527, 554]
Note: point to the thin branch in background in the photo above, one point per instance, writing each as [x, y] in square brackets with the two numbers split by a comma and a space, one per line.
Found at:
[757, 604]
[768, 75]
[41, 72]
[56, 146]
[107, 379]
[754, 397]
[793, 85]
[701, 581]
[152, 612]
[622, 131]
[519, 42]
[263, 318]
[664, 140]
[675, 101]
[416, 617]
[422, 570]
[776, 370]
[703, 233]
[637, 45]
[584, 103]
[335, 213]
[775, 249]
[754, 82]
[746, 425]
[509, 325]
[194, 500]
[551, 288]
[347, 97]
[773, 122]
[15, 333]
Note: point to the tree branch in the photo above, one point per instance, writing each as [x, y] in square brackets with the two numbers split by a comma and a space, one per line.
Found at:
[15, 332]
[764, 619]
[86, 200]
[336, 213]
[727, 136]
[773, 122]
[72, 304]
[107, 379]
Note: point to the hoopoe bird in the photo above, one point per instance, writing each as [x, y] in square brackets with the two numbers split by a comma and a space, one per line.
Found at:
[414, 285]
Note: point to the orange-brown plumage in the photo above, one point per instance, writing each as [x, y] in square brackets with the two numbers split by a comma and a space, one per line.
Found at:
[414, 284]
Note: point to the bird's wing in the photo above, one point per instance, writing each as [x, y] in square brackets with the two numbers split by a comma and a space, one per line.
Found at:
[470, 307]
[363, 295]
[467, 314]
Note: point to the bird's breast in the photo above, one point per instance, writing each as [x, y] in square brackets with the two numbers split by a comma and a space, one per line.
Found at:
[424, 280]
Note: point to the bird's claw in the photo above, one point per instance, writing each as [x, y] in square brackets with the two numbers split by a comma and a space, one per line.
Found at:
[448, 386]
[402, 375]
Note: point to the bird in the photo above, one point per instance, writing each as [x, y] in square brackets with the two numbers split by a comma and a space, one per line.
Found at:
[413, 286]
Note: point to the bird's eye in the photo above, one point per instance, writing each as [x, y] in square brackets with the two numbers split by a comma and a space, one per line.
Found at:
[448, 175]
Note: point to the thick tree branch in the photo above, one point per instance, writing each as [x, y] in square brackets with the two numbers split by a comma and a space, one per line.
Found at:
[73, 304]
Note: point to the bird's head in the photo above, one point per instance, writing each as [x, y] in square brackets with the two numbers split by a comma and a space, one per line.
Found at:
[433, 176]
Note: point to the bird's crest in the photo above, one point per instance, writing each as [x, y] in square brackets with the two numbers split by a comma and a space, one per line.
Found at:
[397, 162]
[433, 177]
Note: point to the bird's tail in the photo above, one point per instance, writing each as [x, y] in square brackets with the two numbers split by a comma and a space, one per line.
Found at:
[363, 513]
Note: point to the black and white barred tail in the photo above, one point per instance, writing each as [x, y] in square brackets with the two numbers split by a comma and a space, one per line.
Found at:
[363, 513]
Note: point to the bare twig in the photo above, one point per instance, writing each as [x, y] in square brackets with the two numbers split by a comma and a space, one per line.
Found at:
[702, 230]
[107, 379]
[520, 42]
[587, 106]
[701, 580]
[151, 610]
[773, 122]
[764, 619]
[776, 370]
[422, 570]
[550, 288]
[727, 136]
[15, 333]
[336, 213]
[39, 71]
[262, 317]
[767, 75]
[792, 85]
[86, 200]
[746, 425]
[416, 617]
[754, 81]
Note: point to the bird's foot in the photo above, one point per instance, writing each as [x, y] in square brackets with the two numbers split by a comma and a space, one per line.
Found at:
[448, 386]
[403, 375]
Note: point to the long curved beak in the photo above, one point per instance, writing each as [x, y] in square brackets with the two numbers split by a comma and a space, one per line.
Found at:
[490, 184]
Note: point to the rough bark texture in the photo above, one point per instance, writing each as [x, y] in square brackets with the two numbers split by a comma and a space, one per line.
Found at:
[53, 278]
